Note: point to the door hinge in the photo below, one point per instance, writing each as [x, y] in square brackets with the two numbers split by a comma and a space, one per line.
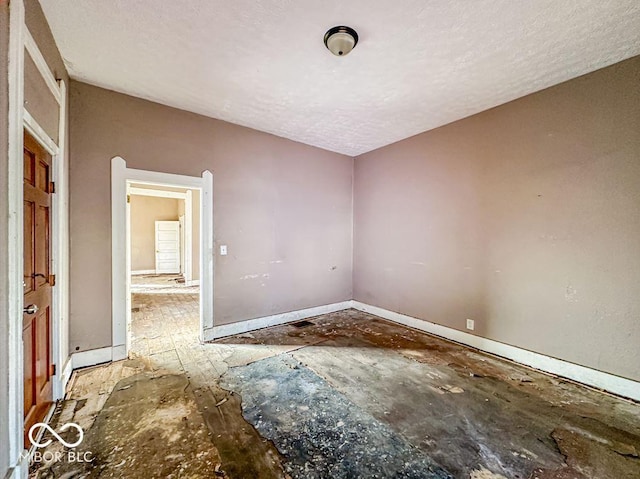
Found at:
[128, 198]
[52, 187]
[52, 280]
[53, 370]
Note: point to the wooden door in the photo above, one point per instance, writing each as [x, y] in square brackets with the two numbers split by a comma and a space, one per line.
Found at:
[36, 322]
[167, 247]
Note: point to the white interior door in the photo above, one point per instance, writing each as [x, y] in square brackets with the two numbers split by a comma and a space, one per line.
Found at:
[167, 247]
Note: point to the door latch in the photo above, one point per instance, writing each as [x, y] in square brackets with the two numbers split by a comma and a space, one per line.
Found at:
[31, 309]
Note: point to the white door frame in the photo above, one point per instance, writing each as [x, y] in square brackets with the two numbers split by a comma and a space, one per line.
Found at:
[120, 259]
[188, 238]
[59, 214]
[19, 120]
[59, 255]
[14, 253]
[183, 261]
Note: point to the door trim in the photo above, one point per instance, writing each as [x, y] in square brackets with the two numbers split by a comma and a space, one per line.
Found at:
[182, 259]
[120, 261]
[19, 120]
[188, 239]
[157, 193]
[43, 68]
[38, 133]
[59, 242]
[12, 255]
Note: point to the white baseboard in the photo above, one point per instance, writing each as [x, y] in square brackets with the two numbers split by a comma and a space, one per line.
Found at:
[598, 379]
[143, 271]
[252, 324]
[119, 352]
[65, 377]
[21, 469]
[91, 357]
[582, 374]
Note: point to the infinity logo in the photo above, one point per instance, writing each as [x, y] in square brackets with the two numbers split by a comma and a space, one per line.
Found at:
[41, 425]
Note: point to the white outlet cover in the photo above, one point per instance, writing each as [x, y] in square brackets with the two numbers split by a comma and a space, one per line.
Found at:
[471, 324]
[223, 250]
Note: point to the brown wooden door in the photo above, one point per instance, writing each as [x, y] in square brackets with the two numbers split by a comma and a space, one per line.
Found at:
[36, 327]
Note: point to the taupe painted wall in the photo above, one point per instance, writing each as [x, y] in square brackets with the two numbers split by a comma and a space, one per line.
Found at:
[524, 217]
[145, 211]
[283, 208]
[4, 239]
[37, 98]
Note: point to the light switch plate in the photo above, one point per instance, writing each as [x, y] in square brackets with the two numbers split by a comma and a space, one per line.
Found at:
[223, 250]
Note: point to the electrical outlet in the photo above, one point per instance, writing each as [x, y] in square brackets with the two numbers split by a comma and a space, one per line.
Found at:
[471, 324]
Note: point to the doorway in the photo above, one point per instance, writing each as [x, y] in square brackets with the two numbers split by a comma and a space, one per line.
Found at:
[123, 181]
[163, 221]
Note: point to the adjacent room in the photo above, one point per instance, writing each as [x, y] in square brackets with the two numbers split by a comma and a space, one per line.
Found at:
[277, 239]
[164, 237]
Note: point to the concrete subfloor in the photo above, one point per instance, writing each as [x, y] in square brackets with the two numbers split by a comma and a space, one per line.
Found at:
[349, 395]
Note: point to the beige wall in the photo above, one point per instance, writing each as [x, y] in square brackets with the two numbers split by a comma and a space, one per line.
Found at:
[524, 217]
[283, 208]
[195, 233]
[145, 211]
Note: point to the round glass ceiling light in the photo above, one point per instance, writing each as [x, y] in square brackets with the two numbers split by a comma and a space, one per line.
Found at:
[340, 40]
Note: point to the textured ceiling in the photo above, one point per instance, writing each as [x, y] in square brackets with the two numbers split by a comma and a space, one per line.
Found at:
[419, 64]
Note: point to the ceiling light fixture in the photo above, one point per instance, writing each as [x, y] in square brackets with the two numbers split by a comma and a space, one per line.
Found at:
[340, 40]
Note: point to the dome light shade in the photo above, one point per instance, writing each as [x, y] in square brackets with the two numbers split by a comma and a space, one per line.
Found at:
[340, 40]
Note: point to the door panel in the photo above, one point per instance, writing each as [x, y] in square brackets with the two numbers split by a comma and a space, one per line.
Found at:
[29, 230]
[42, 246]
[29, 169]
[42, 175]
[43, 338]
[28, 336]
[36, 327]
